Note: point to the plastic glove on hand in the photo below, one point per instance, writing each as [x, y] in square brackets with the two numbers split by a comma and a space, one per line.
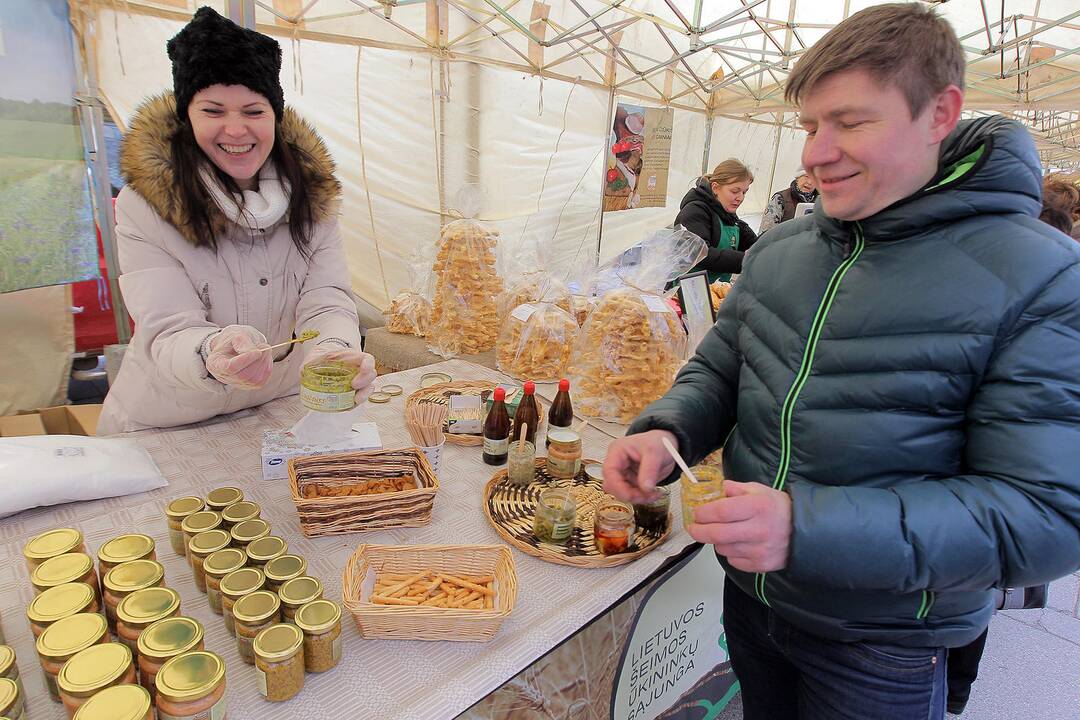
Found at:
[365, 364]
[236, 357]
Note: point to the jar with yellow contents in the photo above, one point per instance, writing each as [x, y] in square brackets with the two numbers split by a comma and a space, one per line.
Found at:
[238, 512]
[247, 532]
[201, 546]
[119, 702]
[70, 567]
[236, 585]
[163, 641]
[220, 498]
[191, 687]
[66, 638]
[320, 621]
[254, 613]
[125, 548]
[141, 609]
[200, 522]
[327, 386]
[127, 578]
[51, 543]
[216, 566]
[279, 662]
[296, 593]
[265, 549]
[9, 669]
[175, 513]
[282, 569]
[12, 701]
[91, 671]
[58, 603]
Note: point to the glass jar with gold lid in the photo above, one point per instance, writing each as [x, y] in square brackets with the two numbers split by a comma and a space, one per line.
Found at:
[236, 585]
[51, 543]
[12, 700]
[125, 548]
[202, 521]
[216, 566]
[298, 592]
[191, 685]
[163, 641]
[64, 639]
[141, 609]
[247, 532]
[9, 668]
[127, 578]
[60, 602]
[69, 567]
[282, 569]
[265, 549]
[238, 512]
[220, 498]
[320, 620]
[279, 662]
[175, 514]
[91, 671]
[200, 547]
[119, 702]
[253, 613]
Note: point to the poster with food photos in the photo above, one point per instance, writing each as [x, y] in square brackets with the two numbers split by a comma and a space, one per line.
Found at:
[638, 157]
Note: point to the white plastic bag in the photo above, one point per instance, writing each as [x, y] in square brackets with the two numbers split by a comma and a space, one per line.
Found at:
[52, 469]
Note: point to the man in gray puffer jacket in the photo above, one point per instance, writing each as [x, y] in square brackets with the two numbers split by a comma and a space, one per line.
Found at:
[895, 381]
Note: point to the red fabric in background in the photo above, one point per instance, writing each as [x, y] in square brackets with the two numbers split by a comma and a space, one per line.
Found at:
[94, 326]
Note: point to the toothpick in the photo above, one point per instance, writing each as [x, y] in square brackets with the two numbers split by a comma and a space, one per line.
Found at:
[304, 337]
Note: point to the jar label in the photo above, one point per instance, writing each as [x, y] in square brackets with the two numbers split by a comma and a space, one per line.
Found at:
[561, 530]
[54, 689]
[327, 401]
[260, 679]
[176, 539]
[496, 447]
[563, 467]
[214, 597]
[245, 646]
[217, 712]
[336, 649]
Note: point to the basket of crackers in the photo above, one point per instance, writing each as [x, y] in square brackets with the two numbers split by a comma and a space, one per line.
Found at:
[356, 492]
[429, 592]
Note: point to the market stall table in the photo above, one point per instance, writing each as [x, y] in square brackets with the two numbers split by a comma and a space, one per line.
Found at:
[395, 352]
[395, 679]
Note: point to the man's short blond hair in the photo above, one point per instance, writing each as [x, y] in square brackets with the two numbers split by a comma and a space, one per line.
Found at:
[906, 45]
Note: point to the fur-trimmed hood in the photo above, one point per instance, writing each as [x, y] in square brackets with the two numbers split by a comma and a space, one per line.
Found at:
[146, 162]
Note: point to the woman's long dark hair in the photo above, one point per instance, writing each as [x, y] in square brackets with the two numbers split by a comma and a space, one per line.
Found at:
[187, 157]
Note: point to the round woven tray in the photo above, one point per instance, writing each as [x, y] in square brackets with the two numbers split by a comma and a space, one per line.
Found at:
[440, 394]
[510, 510]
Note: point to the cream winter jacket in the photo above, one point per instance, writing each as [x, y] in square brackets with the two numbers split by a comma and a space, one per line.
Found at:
[180, 294]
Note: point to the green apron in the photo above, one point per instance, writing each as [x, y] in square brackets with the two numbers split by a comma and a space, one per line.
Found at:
[729, 240]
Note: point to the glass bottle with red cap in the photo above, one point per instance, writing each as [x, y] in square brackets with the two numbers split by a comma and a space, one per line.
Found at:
[561, 414]
[497, 430]
[527, 415]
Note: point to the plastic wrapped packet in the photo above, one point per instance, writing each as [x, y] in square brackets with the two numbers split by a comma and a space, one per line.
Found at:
[535, 342]
[533, 287]
[464, 316]
[409, 314]
[632, 343]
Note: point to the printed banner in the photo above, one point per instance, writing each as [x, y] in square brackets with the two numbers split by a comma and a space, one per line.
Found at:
[639, 155]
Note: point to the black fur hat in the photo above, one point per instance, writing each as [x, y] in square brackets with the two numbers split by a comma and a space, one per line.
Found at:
[212, 50]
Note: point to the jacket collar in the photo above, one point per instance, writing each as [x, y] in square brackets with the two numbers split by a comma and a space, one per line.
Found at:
[146, 162]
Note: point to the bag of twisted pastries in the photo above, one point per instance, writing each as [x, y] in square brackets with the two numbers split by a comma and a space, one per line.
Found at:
[529, 279]
[409, 312]
[464, 317]
[537, 337]
[632, 343]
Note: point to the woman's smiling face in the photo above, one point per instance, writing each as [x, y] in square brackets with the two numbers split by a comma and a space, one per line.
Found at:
[234, 127]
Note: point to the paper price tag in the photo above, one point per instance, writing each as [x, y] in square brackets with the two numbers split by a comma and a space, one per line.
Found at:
[523, 312]
[656, 303]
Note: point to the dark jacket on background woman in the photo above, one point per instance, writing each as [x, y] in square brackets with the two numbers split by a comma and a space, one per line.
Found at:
[726, 236]
[781, 207]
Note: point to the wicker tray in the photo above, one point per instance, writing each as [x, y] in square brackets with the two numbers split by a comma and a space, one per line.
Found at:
[427, 623]
[510, 510]
[440, 394]
[352, 514]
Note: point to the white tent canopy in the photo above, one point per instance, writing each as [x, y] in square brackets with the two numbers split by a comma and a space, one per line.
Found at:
[416, 98]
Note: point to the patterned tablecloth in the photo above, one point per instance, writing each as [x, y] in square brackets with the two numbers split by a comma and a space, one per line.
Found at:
[376, 678]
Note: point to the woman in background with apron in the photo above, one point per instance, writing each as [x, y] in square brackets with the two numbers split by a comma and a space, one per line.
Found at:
[708, 211]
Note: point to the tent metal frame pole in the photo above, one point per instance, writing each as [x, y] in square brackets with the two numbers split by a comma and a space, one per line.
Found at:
[242, 12]
[707, 150]
[603, 172]
[776, 152]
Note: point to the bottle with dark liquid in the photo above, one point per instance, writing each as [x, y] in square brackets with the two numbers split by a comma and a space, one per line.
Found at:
[497, 430]
[527, 414]
[561, 414]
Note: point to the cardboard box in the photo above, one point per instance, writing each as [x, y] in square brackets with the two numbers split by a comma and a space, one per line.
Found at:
[59, 420]
[277, 449]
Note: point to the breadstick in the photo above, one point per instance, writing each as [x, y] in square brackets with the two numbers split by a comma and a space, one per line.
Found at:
[470, 585]
[383, 600]
[435, 599]
[394, 589]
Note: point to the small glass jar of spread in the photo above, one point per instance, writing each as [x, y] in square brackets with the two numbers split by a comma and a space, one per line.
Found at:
[556, 511]
[163, 641]
[51, 543]
[298, 592]
[12, 700]
[191, 686]
[282, 569]
[202, 546]
[216, 566]
[652, 517]
[141, 609]
[175, 513]
[327, 386]
[320, 621]
[265, 549]
[58, 603]
[127, 578]
[236, 585]
[613, 527]
[239, 512]
[564, 454]
[9, 668]
[709, 487]
[220, 498]
[125, 548]
[91, 671]
[252, 614]
[247, 532]
[70, 567]
[195, 523]
[119, 702]
[521, 463]
[279, 662]
[66, 638]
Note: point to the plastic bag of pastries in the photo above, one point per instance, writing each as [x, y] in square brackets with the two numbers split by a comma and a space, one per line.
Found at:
[409, 312]
[535, 342]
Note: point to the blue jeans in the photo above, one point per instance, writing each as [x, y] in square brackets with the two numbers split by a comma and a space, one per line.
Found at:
[787, 674]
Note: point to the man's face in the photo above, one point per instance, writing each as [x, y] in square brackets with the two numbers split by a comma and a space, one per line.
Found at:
[863, 148]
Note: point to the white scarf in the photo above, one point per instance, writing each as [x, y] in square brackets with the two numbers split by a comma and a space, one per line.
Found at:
[262, 208]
